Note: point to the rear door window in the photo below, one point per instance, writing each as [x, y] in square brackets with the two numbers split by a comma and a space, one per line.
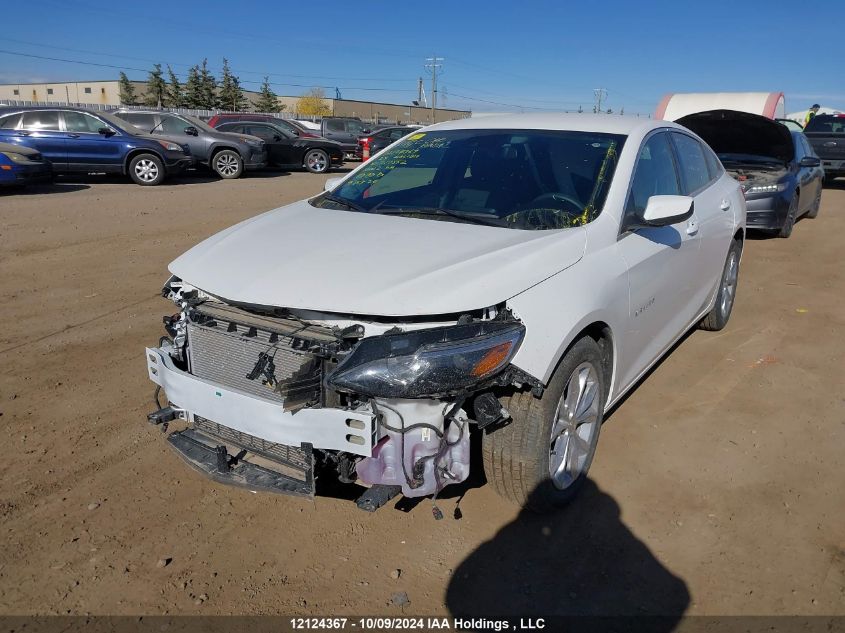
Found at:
[714, 165]
[334, 125]
[82, 123]
[694, 172]
[41, 120]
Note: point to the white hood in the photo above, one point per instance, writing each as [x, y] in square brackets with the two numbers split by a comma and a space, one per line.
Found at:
[303, 257]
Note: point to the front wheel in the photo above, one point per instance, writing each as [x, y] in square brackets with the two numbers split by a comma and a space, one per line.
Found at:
[317, 161]
[817, 203]
[540, 460]
[146, 169]
[228, 163]
[789, 221]
[718, 317]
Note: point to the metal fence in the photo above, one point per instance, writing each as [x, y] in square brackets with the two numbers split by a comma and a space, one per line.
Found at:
[102, 107]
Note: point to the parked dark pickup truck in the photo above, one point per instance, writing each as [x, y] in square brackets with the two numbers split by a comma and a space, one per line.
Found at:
[826, 133]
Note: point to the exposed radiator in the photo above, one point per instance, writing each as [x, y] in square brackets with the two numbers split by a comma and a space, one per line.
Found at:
[225, 351]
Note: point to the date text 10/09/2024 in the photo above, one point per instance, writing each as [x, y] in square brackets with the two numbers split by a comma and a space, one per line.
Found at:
[414, 624]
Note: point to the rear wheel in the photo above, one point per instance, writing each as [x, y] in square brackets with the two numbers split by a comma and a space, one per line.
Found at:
[541, 459]
[228, 163]
[317, 161]
[718, 317]
[146, 169]
[817, 203]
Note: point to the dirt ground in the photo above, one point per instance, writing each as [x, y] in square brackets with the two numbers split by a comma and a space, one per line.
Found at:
[718, 488]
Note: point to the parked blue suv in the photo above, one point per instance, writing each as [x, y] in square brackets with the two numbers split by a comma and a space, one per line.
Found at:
[80, 141]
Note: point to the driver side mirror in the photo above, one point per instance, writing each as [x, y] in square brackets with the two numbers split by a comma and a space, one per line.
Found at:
[810, 161]
[106, 131]
[666, 210]
[191, 131]
[331, 183]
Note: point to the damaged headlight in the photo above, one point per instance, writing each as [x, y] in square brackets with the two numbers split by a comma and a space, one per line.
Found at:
[432, 362]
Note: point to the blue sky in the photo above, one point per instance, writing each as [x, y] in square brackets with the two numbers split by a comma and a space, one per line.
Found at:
[499, 56]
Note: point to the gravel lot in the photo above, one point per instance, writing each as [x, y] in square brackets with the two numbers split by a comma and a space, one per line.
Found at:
[718, 488]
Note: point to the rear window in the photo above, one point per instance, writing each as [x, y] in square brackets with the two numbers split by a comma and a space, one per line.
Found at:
[41, 120]
[10, 121]
[826, 124]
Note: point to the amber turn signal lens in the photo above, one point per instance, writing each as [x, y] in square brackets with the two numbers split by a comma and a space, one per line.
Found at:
[492, 359]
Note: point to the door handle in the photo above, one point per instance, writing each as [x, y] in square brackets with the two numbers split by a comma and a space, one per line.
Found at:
[726, 204]
[692, 227]
[73, 135]
[23, 134]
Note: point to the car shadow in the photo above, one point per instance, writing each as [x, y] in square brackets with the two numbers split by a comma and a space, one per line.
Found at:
[838, 183]
[579, 561]
[44, 188]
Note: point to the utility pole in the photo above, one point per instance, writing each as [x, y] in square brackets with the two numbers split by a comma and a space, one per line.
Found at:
[600, 94]
[433, 64]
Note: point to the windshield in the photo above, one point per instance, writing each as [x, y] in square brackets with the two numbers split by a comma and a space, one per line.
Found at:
[520, 179]
[198, 123]
[117, 122]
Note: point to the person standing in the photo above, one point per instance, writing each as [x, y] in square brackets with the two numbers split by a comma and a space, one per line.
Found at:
[811, 113]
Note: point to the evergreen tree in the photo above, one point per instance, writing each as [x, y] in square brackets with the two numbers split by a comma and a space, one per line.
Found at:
[208, 88]
[126, 90]
[193, 88]
[156, 88]
[175, 91]
[267, 101]
[230, 95]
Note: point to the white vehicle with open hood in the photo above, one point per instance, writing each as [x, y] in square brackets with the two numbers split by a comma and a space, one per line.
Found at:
[512, 276]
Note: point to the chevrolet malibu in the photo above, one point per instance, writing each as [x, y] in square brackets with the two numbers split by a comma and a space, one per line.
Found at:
[510, 276]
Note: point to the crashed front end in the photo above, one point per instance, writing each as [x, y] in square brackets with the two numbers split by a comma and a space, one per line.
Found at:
[270, 398]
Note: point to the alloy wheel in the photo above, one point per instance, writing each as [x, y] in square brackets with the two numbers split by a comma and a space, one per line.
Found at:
[146, 170]
[316, 161]
[575, 426]
[227, 165]
[729, 284]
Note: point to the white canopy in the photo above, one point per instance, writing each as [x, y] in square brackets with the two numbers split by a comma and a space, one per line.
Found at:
[673, 106]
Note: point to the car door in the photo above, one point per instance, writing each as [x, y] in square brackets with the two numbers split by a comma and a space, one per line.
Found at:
[662, 261]
[40, 129]
[173, 127]
[713, 212]
[87, 148]
[278, 142]
[335, 130]
[809, 178]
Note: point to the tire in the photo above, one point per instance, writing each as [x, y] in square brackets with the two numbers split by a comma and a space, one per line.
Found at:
[817, 203]
[791, 218]
[317, 161]
[519, 458]
[719, 316]
[147, 170]
[227, 163]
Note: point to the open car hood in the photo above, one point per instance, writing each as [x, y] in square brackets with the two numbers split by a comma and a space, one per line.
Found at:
[732, 132]
[303, 257]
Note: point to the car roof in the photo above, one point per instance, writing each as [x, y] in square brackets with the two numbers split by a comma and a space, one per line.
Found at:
[576, 122]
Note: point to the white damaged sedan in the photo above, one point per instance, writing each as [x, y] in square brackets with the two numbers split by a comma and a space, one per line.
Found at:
[512, 276]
